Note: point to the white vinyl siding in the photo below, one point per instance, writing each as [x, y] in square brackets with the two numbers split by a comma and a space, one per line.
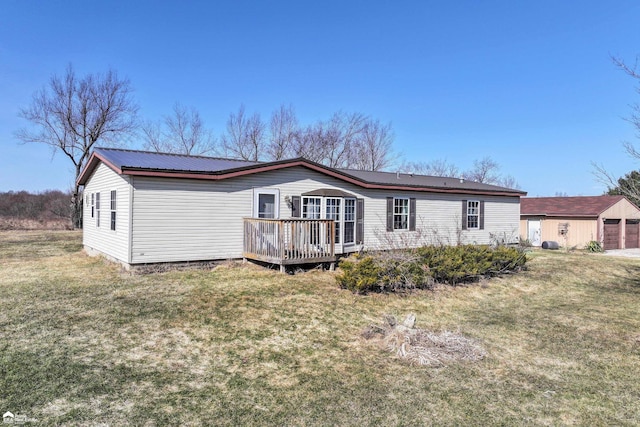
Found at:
[113, 243]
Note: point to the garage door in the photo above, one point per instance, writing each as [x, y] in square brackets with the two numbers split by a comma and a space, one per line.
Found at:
[632, 234]
[611, 234]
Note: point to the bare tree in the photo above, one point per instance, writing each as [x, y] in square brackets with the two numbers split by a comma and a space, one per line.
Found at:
[245, 136]
[613, 183]
[634, 119]
[438, 167]
[484, 171]
[508, 181]
[182, 132]
[283, 131]
[373, 150]
[487, 171]
[346, 140]
[333, 142]
[341, 134]
[309, 143]
[72, 114]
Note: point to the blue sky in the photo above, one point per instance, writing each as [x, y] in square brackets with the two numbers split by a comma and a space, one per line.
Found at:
[529, 84]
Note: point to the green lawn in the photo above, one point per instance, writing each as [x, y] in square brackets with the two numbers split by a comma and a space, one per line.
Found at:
[83, 343]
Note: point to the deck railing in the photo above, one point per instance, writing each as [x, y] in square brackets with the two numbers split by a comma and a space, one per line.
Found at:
[289, 241]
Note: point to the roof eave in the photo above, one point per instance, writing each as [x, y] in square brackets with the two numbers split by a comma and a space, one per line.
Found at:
[281, 164]
[232, 173]
[92, 164]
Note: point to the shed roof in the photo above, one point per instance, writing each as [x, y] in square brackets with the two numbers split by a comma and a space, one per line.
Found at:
[144, 163]
[581, 206]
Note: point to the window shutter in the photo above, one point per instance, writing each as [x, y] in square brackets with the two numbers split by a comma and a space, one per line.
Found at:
[412, 214]
[295, 207]
[481, 215]
[464, 214]
[360, 221]
[389, 213]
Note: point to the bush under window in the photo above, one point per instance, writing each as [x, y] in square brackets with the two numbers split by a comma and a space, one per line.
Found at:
[421, 268]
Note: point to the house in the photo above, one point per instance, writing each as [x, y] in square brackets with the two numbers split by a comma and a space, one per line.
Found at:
[575, 221]
[143, 207]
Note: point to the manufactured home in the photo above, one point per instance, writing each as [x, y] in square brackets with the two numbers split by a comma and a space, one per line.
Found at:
[575, 221]
[145, 208]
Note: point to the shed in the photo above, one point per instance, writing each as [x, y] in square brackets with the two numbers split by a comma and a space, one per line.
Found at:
[575, 221]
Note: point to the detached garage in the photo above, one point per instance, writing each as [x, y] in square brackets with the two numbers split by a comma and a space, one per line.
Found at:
[575, 221]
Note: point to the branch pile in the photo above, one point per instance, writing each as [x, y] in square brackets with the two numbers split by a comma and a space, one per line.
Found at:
[422, 347]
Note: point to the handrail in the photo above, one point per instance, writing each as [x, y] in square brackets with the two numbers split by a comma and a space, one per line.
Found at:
[289, 241]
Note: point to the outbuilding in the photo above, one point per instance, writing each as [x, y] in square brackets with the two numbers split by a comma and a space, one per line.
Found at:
[575, 221]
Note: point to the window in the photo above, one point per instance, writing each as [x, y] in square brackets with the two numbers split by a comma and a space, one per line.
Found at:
[349, 220]
[400, 214]
[93, 202]
[265, 203]
[311, 207]
[97, 209]
[473, 214]
[333, 212]
[113, 209]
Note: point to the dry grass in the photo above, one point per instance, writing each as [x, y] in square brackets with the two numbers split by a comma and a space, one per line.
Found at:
[84, 344]
[10, 223]
[421, 347]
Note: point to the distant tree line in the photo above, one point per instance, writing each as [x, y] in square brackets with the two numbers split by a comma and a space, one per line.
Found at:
[44, 206]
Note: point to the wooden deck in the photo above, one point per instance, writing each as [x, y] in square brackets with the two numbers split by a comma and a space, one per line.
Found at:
[289, 241]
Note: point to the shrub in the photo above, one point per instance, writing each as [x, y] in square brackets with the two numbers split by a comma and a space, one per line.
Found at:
[359, 273]
[420, 268]
[594, 246]
[393, 271]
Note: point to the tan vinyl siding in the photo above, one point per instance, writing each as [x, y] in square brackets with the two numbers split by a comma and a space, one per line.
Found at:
[623, 209]
[582, 230]
[112, 243]
[579, 232]
[190, 220]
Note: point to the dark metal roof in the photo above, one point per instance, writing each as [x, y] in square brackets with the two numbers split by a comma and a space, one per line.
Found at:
[133, 162]
[404, 179]
[131, 159]
[582, 206]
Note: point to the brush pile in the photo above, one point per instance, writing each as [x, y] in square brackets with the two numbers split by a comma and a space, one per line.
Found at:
[422, 347]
